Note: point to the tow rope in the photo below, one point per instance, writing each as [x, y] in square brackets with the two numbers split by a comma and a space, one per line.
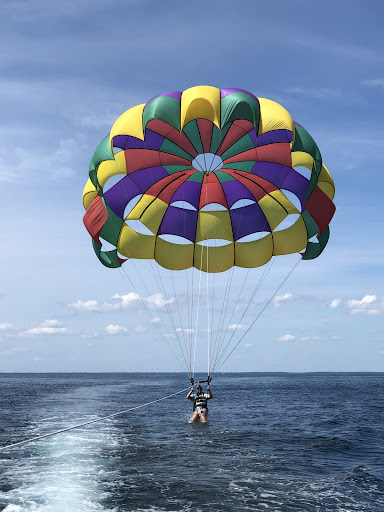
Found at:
[91, 421]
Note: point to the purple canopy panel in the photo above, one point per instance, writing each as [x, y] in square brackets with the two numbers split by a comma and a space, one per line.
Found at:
[180, 222]
[172, 94]
[127, 141]
[273, 137]
[152, 141]
[253, 136]
[145, 178]
[225, 92]
[297, 184]
[189, 192]
[297, 124]
[247, 220]
[274, 173]
[234, 191]
[118, 196]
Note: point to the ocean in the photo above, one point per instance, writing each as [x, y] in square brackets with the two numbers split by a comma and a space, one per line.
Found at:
[274, 442]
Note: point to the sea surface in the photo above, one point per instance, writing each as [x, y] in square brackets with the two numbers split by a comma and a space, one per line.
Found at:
[274, 442]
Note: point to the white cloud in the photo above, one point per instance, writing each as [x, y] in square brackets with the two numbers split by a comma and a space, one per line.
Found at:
[248, 345]
[155, 320]
[6, 327]
[115, 329]
[140, 328]
[50, 323]
[335, 303]
[188, 331]
[89, 335]
[47, 328]
[130, 300]
[237, 327]
[286, 337]
[88, 305]
[377, 82]
[368, 305]
[311, 338]
[279, 299]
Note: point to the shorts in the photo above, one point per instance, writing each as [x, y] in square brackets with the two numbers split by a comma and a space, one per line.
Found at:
[200, 410]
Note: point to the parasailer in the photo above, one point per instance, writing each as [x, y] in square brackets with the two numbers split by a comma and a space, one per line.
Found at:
[200, 400]
[205, 181]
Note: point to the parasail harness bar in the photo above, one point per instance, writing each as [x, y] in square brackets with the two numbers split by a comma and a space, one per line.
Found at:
[207, 380]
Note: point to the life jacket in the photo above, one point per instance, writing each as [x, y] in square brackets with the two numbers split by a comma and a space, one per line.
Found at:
[200, 401]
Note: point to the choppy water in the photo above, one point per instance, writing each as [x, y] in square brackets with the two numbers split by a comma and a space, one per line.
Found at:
[277, 442]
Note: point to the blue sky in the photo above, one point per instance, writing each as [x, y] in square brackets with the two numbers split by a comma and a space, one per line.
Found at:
[68, 70]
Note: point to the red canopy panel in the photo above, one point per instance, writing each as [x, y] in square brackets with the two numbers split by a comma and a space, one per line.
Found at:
[95, 218]
[237, 130]
[320, 208]
[279, 153]
[212, 191]
[170, 133]
[136, 159]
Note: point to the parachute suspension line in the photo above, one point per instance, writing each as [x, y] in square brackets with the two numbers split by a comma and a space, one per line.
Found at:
[181, 323]
[197, 313]
[210, 332]
[156, 328]
[262, 310]
[169, 311]
[174, 332]
[257, 288]
[169, 331]
[188, 324]
[222, 313]
[161, 334]
[192, 307]
[73, 427]
[212, 320]
[159, 313]
[208, 325]
[223, 336]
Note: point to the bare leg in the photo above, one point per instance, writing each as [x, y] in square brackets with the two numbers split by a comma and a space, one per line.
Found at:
[203, 417]
[195, 417]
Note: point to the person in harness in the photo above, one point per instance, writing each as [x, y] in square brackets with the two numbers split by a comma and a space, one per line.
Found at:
[200, 408]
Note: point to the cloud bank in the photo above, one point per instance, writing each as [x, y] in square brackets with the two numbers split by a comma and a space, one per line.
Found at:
[131, 300]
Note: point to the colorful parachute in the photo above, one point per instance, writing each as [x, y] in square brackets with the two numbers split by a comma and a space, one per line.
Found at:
[180, 154]
[256, 145]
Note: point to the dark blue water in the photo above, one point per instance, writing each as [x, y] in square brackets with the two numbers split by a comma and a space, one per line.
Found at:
[277, 442]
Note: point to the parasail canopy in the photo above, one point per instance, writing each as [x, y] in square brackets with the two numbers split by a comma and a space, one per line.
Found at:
[181, 153]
